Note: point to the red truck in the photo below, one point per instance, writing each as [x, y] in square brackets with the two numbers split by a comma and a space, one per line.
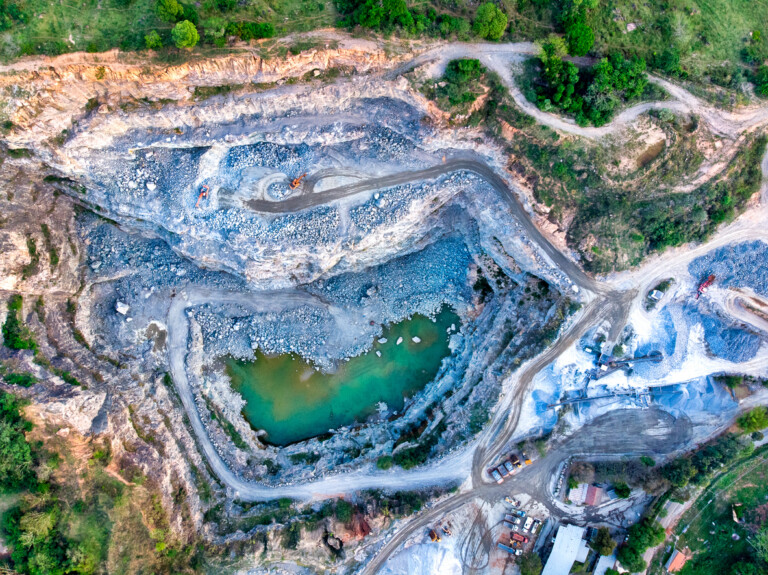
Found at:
[518, 537]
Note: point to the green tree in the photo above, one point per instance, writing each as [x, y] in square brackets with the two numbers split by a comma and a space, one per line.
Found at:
[580, 38]
[490, 22]
[153, 41]
[169, 10]
[15, 453]
[754, 420]
[622, 489]
[604, 543]
[761, 81]
[185, 34]
[530, 564]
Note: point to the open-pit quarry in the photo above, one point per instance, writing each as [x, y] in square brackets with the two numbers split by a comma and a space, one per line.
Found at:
[307, 289]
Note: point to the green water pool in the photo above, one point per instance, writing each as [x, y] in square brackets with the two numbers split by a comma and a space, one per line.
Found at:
[291, 400]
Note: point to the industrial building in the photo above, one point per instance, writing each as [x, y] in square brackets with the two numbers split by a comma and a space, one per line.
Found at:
[569, 546]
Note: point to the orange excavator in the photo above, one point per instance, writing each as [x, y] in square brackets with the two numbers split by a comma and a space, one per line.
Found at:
[203, 195]
[296, 181]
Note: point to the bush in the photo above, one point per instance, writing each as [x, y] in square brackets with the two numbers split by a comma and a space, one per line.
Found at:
[16, 335]
[250, 30]
[185, 35]
[490, 22]
[647, 461]
[153, 41]
[384, 462]
[757, 436]
[754, 420]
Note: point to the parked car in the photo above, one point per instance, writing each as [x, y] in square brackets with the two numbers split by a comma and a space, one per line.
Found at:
[497, 476]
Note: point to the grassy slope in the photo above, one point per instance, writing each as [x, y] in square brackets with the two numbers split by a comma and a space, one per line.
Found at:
[98, 25]
[714, 30]
[711, 526]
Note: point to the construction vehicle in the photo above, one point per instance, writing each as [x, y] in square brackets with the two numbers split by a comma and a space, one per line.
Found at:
[447, 531]
[512, 519]
[296, 181]
[509, 466]
[497, 476]
[202, 196]
[528, 523]
[434, 537]
[704, 285]
[515, 460]
[518, 537]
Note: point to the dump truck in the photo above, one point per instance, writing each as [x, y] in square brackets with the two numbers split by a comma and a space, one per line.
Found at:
[703, 286]
[434, 537]
[509, 549]
[518, 537]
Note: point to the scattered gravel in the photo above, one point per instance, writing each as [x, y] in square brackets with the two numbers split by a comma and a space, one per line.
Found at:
[735, 265]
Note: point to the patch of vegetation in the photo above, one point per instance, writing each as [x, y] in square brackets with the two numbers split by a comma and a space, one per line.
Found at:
[344, 511]
[647, 533]
[603, 542]
[648, 461]
[22, 379]
[16, 335]
[592, 96]
[34, 259]
[530, 564]
[305, 458]
[417, 455]
[697, 467]
[53, 254]
[384, 462]
[459, 86]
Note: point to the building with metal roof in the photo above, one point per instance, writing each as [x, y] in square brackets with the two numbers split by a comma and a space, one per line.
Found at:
[569, 546]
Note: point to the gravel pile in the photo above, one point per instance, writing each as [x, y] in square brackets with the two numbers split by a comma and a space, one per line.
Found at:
[728, 342]
[737, 265]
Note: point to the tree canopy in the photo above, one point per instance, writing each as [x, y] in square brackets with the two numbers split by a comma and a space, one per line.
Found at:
[490, 22]
[185, 34]
[169, 10]
[604, 543]
[754, 420]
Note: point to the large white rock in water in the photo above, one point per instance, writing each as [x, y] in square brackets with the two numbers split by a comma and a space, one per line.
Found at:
[399, 341]
[122, 308]
[151, 187]
[416, 339]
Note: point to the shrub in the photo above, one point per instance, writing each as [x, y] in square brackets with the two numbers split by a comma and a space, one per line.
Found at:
[490, 22]
[185, 35]
[153, 41]
[21, 379]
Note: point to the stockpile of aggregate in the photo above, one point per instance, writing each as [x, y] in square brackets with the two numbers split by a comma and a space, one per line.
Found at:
[735, 265]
